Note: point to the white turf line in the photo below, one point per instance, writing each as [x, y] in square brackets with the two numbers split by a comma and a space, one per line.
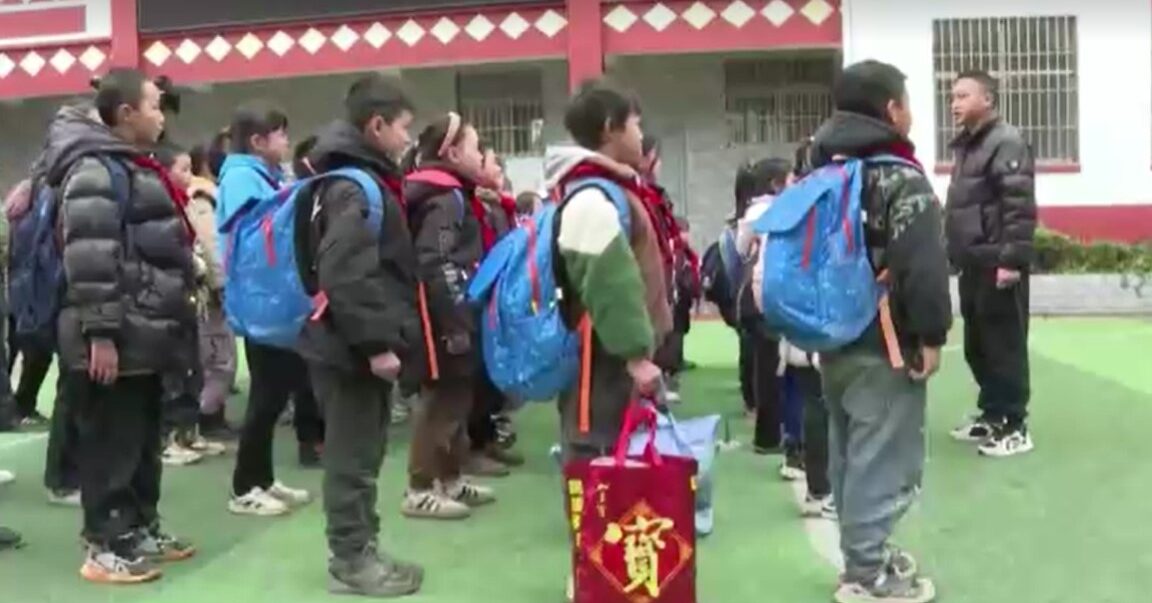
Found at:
[824, 535]
[34, 437]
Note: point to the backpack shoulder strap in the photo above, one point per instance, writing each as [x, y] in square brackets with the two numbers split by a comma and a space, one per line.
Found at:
[121, 178]
[612, 190]
[886, 158]
[371, 190]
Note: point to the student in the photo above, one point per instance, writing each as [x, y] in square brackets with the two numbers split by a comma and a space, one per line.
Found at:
[445, 217]
[36, 352]
[259, 144]
[527, 203]
[125, 311]
[806, 457]
[876, 412]
[488, 457]
[614, 277]
[369, 332]
[217, 341]
[184, 444]
[760, 184]
[62, 465]
[991, 224]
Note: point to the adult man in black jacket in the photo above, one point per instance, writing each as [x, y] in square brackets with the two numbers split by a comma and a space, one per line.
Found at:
[366, 334]
[991, 221]
[128, 299]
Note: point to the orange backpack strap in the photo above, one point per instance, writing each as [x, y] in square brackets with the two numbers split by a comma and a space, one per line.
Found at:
[585, 410]
[888, 328]
[429, 339]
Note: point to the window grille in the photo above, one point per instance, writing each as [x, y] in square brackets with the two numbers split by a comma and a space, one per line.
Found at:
[777, 100]
[1035, 61]
[506, 107]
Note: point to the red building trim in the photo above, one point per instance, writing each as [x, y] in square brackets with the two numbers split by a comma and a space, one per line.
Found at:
[47, 71]
[485, 35]
[679, 26]
[1123, 223]
[585, 42]
[125, 34]
[54, 21]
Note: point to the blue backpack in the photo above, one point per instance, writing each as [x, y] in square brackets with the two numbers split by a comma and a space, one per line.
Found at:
[264, 297]
[529, 351]
[819, 288]
[36, 263]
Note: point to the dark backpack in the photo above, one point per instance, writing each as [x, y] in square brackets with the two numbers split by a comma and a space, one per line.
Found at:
[718, 289]
[35, 262]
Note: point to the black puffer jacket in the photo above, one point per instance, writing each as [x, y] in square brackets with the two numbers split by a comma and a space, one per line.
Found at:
[449, 246]
[903, 228]
[368, 277]
[991, 211]
[128, 262]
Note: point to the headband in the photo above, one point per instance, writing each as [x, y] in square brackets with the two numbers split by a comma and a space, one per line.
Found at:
[450, 135]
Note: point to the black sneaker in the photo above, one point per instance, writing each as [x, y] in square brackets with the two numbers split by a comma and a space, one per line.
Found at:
[10, 540]
[976, 430]
[792, 469]
[1009, 440]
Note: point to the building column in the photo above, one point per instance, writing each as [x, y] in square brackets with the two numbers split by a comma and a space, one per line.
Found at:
[585, 42]
[125, 35]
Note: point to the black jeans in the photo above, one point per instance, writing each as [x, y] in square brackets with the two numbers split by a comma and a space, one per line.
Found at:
[275, 376]
[357, 415]
[489, 402]
[808, 385]
[996, 343]
[746, 378]
[119, 454]
[62, 467]
[37, 359]
[766, 391]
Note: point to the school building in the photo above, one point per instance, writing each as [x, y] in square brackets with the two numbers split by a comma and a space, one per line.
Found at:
[722, 81]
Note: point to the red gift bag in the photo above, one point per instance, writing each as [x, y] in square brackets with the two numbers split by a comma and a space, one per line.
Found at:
[634, 523]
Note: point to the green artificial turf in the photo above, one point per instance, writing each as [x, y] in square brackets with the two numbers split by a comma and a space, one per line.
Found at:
[1063, 525]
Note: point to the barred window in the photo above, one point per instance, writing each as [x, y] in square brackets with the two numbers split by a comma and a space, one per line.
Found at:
[1035, 61]
[777, 100]
[507, 107]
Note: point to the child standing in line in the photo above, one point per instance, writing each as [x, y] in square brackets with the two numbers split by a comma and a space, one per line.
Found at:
[185, 445]
[807, 458]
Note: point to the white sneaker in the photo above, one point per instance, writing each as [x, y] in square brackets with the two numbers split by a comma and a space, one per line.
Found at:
[6, 477]
[292, 497]
[1008, 443]
[470, 494]
[64, 498]
[433, 504]
[257, 502]
[818, 508]
[791, 473]
[570, 590]
[977, 429]
[175, 455]
[202, 446]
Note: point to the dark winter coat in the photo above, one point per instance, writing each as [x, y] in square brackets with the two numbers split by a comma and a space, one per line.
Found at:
[903, 228]
[128, 262]
[991, 211]
[449, 246]
[368, 277]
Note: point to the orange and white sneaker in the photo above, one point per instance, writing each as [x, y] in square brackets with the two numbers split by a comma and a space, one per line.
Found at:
[105, 566]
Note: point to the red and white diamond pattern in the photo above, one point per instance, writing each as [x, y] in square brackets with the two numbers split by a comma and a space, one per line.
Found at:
[62, 61]
[410, 33]
[738, 13]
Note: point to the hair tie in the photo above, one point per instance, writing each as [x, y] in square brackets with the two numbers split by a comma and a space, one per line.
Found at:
[450, 135]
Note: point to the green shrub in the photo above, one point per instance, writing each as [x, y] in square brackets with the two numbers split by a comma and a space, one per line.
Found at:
[1060, 254]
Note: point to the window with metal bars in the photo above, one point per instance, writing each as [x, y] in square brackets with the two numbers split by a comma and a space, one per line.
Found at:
[506, 107]
[777, 100]
[1035, 61]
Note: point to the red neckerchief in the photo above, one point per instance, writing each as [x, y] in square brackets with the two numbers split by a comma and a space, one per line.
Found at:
[650, 198]
[902, 148]
[179, 197]
[395, 185]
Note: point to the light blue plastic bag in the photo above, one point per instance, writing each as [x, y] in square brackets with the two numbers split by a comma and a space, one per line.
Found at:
[692, 438]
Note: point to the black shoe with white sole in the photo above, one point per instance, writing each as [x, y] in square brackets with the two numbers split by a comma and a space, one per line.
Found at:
[1008, 441]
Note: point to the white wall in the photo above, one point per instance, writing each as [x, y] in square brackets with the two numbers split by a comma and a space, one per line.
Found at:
[1115, 80]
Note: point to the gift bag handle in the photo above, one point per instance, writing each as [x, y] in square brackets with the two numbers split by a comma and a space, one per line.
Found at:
[639, 415]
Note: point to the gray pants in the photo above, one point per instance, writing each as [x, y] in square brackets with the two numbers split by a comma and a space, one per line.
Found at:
[356, 413]
[876, 430]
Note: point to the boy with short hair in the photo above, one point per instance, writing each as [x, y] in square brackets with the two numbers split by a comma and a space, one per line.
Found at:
[121, 322]
[369, 331]
[259, 144]
[876, 411]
